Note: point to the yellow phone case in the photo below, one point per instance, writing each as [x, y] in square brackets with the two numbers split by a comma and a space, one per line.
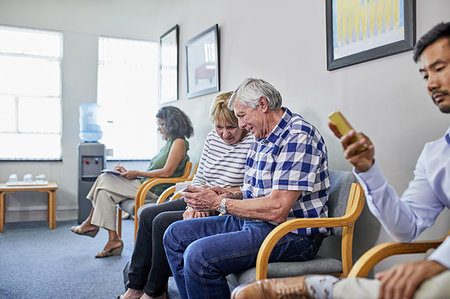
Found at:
[344, 127]
[340, 122]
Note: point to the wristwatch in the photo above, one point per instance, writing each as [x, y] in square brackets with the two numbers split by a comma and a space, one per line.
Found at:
[222, 206]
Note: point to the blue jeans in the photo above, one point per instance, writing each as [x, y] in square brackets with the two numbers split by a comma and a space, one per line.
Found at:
[202, 252]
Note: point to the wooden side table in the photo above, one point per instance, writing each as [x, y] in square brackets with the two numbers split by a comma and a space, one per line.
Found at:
[50, 189]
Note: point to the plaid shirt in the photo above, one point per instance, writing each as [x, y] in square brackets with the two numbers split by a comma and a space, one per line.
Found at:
[292, 157]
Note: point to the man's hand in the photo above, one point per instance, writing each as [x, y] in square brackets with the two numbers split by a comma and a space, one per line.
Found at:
[190, 213]
[222, 191]
[201, 199]
[361, 160]
[403, 280]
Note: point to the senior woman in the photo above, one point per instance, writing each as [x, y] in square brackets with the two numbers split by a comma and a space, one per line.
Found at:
[222, 164]
[109, 189]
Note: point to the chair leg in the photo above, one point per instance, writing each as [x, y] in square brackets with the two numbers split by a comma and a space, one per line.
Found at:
[119, 223]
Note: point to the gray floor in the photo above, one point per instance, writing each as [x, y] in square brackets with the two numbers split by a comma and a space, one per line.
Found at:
[39, 263]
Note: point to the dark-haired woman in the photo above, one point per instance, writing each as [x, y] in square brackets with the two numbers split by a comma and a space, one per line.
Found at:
[110, 189]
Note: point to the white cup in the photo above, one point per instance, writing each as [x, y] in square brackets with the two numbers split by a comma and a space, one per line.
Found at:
[13, 178]
[28, 178]
[41, 178]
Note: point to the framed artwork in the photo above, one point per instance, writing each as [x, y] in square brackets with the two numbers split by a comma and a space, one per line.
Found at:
[168, 66]
[202, 63]
[363, 30]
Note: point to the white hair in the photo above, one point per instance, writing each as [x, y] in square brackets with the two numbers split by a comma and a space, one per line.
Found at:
[251, 90]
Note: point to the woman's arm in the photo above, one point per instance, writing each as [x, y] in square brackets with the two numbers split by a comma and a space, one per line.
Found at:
[176, 154]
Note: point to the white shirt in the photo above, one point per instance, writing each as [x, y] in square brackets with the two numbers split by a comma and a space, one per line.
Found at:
[426, 196]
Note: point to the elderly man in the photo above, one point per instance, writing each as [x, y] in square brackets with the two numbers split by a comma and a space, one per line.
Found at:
[403, 218]
[286, 177]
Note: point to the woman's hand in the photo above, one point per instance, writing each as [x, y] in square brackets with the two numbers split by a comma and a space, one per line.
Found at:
[120, 169]
[190, 213]
[131, 175]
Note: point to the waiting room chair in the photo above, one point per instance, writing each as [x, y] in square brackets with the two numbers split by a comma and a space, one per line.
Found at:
[131, 206]
[338, 251]
[171, 190]
[378, 253]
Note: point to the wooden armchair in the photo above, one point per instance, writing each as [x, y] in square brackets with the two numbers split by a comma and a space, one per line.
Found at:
[346, 203]
[378, 253]
[171, 190]
[134, 205]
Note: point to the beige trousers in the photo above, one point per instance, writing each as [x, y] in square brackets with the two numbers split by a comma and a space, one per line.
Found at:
[437, 287]
[107, 191]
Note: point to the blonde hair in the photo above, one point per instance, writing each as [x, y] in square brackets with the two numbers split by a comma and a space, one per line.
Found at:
[220, 111]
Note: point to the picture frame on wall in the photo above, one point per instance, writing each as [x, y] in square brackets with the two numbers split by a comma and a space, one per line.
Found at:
[168, 65]
[360, 31]
[202, 63]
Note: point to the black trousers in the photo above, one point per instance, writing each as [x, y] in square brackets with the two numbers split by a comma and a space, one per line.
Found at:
[149, 269]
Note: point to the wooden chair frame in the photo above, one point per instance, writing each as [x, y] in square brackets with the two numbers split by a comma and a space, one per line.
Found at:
[378, 253]
[355, 205]
[142, 193]
[163, 197]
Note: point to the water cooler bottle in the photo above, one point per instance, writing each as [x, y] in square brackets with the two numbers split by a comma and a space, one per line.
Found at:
[91, 156]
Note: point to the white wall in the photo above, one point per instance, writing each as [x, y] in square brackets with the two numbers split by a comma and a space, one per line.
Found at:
[282, 42]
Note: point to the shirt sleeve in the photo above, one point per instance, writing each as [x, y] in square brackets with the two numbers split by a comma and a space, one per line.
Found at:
[406, 217]
[442, 253]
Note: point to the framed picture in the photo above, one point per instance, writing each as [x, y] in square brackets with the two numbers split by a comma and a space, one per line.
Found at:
[202, 63]
[359, 31]
[168, 66]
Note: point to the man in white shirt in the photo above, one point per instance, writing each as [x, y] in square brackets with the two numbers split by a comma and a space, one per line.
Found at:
[405, 217]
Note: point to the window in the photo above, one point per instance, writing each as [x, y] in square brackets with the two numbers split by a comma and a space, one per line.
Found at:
[127, 92]
[30, 94]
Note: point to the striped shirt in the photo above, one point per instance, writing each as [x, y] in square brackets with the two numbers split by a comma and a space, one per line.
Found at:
[292, 157]
[222, 164]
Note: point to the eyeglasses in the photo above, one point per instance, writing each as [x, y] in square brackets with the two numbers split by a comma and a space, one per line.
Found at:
[160, 125]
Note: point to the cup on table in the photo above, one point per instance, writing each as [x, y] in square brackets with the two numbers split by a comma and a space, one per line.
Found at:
[41, 178]
[28, 178]
[13, 178]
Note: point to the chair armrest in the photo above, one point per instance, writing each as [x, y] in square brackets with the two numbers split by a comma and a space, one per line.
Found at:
[378, 253]
[162, 198]
[354, 209]
[139, 200]
[147, 185]
[176, 195]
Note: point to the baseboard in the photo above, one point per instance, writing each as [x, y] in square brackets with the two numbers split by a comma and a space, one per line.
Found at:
[38, 213]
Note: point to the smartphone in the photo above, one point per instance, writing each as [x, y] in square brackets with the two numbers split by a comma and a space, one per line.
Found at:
[343, 126]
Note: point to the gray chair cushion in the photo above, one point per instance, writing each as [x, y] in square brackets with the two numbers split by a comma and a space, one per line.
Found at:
[128, 206]
[283, 269]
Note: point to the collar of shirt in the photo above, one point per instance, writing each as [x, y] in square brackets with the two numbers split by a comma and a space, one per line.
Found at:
[279, 128]
[447, 136]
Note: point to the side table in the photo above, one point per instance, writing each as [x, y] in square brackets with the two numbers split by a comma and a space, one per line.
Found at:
[50, 189]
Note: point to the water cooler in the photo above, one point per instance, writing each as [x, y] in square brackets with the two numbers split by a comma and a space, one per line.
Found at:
[91, 156]
[91, 162]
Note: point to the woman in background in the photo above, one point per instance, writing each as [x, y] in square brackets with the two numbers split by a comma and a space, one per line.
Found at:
[222, 164]
[110, 189]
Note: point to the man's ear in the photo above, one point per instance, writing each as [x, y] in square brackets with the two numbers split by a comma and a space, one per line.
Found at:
[263, 103]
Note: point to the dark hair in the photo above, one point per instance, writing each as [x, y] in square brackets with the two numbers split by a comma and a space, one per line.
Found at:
[176, 123]
[435, 33]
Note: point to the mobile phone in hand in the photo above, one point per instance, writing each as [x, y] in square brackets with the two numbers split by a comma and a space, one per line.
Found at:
[343, 126]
